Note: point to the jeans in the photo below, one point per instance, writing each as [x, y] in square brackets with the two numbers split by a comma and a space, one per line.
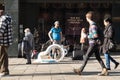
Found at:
[92, 49]
[108, 58]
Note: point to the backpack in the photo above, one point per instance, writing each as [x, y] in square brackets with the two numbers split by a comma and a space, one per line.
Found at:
[112, 45]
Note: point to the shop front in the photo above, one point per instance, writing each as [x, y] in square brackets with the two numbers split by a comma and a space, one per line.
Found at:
[40, 16]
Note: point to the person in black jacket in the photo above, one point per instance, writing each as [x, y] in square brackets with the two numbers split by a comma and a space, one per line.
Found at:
[108, 36]
[28, 45]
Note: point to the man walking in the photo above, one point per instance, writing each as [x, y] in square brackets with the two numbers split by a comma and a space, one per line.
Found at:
[93, 46]
[5, 40]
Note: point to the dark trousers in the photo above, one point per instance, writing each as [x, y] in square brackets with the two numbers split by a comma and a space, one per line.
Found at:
[82, 46]
[83, 49]
[4, 59]
[28, 56]
[92, 49]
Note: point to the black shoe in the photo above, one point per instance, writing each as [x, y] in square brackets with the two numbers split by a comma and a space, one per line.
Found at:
[108, 69]
[116, 65]
[28, 63]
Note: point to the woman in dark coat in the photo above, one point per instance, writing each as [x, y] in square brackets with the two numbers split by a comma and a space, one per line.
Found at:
[108, 35]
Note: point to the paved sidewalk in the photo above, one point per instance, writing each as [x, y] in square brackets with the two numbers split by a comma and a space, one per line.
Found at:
[58, 71]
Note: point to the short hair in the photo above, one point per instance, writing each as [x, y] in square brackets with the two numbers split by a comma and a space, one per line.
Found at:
[27, 29]
[90, 15]
[108, 20]
[56, 22]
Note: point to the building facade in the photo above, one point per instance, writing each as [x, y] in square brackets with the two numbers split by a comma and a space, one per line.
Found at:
[39, 16]
[11, 8]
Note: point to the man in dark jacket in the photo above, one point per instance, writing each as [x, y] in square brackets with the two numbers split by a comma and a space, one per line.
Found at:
[28, 45]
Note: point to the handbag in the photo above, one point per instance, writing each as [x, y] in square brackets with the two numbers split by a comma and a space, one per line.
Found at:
[111, 45]
[99, 42]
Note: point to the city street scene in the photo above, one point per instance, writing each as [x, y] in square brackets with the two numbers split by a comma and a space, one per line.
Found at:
[59, 39]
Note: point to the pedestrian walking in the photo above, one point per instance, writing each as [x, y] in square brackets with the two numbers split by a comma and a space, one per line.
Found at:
[108, 36]
[83, 41]
[83, 38]
[93, 46]
[6, 40]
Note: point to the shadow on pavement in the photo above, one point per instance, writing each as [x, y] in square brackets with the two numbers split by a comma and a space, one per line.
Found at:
[67, 74]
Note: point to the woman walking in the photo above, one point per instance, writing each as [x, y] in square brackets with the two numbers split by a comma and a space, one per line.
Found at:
[108, 36]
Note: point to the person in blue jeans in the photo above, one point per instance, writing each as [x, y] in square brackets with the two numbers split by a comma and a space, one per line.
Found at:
[108, 35]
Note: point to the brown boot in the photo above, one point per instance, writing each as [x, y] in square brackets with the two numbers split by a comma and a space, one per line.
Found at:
[104, 72]
[77, 71]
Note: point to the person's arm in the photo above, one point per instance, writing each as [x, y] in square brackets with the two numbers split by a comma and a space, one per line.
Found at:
[49, 34]
[3, 26]
[109, 33]
[80, 36]
[5, 20]
[93, 33]
[94, 30]
[61, 36]
[33, 43]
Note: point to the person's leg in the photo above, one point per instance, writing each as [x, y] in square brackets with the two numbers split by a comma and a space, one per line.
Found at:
[88, 54]
[107, 58]
[97, 55]
[28, 56]
[114, 61]
[4, 60]
[82, 46]
[83, 51]
[53, 50]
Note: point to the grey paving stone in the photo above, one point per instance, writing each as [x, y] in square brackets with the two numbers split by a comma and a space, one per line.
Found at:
[59, 71]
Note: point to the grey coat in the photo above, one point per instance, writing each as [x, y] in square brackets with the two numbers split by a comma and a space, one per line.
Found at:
[25, 48]
[29, 37]
[108, 35]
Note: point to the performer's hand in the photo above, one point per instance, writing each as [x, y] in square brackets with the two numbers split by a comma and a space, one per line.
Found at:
[51, 40]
